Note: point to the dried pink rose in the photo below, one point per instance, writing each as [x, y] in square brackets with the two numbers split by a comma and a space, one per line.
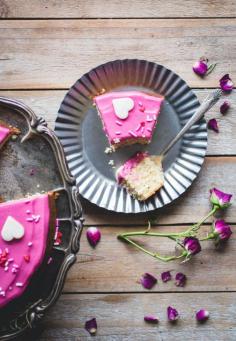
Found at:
[148, 281]
[213, 125]
[226, 83]
[200, 67]
[219, 198]
[202, 315]
[172, 314]
[180, 279]
[224, 107]
[151, 319]
[91, 326]
[166, 276]
[93, 235]
[222, 230]
[192, 245]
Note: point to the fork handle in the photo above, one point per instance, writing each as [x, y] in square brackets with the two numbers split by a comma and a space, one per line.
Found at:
[207, 104]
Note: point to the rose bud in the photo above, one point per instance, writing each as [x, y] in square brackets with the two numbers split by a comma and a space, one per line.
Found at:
[148, 281]
[91, 326]
[172, 314]
[192, 245]
[180, 279]
[222, 231]
[166, 276]
[213, 125]
[93, 235]
[220, 199]
[151, 319]
[202, 315]
[200, 67]
[224, 107]
[226, 83]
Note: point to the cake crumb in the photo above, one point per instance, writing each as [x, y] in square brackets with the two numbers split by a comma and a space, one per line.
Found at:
[111, 163]
[108, 150]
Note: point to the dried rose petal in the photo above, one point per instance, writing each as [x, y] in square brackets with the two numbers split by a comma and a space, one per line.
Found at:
[202, 315]
[172, 314]
[166, 276]
[151, 319]
[222, 231]
[213, 125]
[224, 107]
[148, 281]
[226, 83]
[91, 326]
[180, 279]
[219, 198]
[93, 235]
[200, 67]
[192, 245]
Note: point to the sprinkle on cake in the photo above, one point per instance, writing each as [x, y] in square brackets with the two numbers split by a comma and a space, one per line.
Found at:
[128, 117]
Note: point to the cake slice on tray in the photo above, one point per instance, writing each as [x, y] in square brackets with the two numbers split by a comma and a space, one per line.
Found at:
[128, 117]
[141, 175]
[27, 228]
[6, 131]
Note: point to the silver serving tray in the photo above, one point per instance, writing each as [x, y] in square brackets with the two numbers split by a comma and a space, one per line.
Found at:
[38, 148]
[80, 132]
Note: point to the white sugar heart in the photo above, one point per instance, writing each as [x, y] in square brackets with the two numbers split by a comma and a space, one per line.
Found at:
[122, 106]
[12, 229]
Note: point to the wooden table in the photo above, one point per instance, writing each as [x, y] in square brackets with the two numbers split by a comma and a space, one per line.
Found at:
[45, 46]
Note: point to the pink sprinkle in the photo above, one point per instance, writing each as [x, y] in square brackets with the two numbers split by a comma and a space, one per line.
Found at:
[117, 132]
[10, 260]
[138, 127]
[2, 293]
[29, 219]
[49, 260]
[140, 103]
[10, 288]
[142, 130]
[27, 201]
[36, 218]
[30, 244]
[19, 284]
[15, 266]
[142, 108]
[149, 119]
[119, 123]
[6, 250]
[28, 211]
[149, 129]
[6, 268]
[132, 133]
[154, 117]
[14, 271]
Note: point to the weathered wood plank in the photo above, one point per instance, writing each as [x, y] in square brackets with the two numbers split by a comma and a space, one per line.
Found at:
[217, 172]
[46, 103]
[116, 9]
[115, 266]
[54, 53]
[120, 317]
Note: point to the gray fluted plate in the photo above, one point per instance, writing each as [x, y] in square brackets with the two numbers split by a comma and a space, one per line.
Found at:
[80, 131]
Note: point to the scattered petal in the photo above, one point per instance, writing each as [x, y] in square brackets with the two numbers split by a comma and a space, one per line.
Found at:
[180, 279]
[148, 281]
[93, 235]
[222, 231]
[224, 107]
[202, 315]
[192, 245]
[91, 326]
[226, 83]
[151, 319]
[200, 67]
[166, 276]
[213, 125]
[219, 198]
[172, 314]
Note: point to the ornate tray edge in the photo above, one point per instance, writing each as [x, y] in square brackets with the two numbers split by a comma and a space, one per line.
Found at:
[37, 125]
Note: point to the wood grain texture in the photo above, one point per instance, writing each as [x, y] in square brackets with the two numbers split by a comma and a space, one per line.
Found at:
[54, 53]
[120, 317]
[116, 9]
[46, 104]
[115, 266]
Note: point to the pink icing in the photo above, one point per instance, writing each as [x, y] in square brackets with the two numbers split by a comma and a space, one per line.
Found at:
[140, 122]
[4, 133]
[20, 258]
[127, 167]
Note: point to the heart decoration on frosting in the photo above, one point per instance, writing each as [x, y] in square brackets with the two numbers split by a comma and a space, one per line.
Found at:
[12, 229]
[122, 106]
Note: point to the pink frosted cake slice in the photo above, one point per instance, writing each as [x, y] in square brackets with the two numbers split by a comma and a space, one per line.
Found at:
[6, 132]
[26, 231]
[141, 175]
[128, 117]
